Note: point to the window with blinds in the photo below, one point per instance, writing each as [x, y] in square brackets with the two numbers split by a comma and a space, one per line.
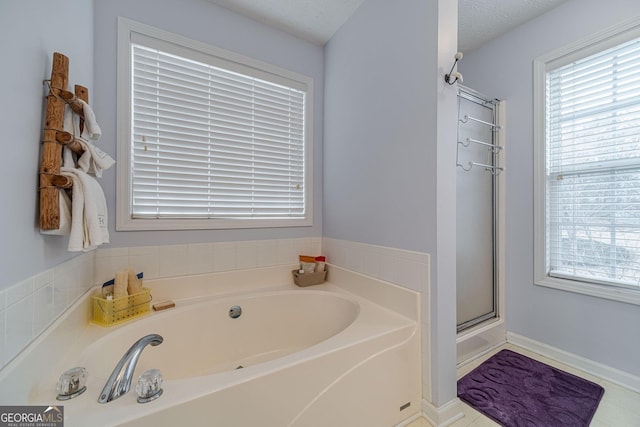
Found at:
[592, 116]
[214, 142]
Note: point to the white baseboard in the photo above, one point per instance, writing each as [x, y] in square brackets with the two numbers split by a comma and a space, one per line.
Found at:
[409, 420]
[444, 415]
[605, 372]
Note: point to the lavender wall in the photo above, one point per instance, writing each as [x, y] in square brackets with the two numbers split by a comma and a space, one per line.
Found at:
[30, 36]
[380, 134]
[389, 153]
[601, 330]
[203, 21]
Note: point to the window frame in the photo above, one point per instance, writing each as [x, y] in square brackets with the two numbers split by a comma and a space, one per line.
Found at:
[260, 69]
[591, 45]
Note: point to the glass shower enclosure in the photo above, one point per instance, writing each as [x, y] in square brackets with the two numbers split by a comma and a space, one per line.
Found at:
[478, 159]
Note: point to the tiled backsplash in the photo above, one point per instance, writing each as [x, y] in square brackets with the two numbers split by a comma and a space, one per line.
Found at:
[180, 260]
[29, 307]
[405, 268]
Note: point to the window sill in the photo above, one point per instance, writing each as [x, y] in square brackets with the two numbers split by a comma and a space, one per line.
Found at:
[129, 224]
[629, 296]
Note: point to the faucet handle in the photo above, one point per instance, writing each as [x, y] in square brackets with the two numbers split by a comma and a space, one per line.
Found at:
[72, 383]
[120, 380]
[149, 386]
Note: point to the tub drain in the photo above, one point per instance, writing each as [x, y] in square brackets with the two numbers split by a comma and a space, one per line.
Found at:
[235, 311]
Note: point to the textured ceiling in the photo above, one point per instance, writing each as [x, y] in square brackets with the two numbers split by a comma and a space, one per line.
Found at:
[482, 20]
[312, 20]
[317, 20]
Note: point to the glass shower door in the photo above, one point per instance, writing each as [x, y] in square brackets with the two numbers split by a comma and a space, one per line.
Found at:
[476, 196]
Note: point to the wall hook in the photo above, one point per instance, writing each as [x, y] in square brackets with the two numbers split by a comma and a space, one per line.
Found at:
[454, 76]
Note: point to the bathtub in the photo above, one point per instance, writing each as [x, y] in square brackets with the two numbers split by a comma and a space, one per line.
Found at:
[314, 356]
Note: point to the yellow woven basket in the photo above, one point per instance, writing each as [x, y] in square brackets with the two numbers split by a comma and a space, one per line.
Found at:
[118, 310]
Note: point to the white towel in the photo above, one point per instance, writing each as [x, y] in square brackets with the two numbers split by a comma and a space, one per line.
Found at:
[72, 123]
[68, 158]
[93, 160]
[63, 200]
[65, 216]
[88, 212]
[91, 128]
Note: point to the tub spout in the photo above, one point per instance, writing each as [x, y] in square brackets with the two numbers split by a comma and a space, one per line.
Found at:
[120, 380]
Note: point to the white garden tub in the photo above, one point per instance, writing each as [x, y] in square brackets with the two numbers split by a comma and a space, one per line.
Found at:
[315, 356]
[200, 338]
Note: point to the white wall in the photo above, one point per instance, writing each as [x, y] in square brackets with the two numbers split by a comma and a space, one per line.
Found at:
[442, 289]
[30, 32]
[206, 22]
[601, 330]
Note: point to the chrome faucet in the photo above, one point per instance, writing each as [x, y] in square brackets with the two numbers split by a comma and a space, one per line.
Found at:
[120, 380]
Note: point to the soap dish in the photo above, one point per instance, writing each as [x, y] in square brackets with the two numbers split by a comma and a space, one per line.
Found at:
[308, 279]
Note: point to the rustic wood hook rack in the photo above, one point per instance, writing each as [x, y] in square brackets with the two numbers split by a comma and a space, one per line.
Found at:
[51, 182]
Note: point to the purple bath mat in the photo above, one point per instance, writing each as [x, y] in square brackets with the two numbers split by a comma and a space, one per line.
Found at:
[515, 390]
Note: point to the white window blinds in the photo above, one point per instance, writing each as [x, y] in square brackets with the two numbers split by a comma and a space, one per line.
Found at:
[593, 168]
[210, 142]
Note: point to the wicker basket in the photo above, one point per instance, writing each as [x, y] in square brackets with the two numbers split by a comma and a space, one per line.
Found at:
[111, 312]
[308, 279]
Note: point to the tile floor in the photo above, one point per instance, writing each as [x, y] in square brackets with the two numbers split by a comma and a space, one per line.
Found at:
[619, 407]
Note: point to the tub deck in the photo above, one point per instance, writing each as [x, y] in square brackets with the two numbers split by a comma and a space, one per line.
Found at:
[364, 368]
